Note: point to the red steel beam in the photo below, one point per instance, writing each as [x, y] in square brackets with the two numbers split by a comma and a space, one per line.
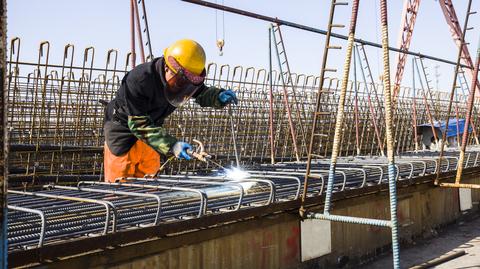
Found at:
[409, 16]
[456, 30]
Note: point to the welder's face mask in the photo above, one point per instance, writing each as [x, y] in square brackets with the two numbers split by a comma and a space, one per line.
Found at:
[183, 85]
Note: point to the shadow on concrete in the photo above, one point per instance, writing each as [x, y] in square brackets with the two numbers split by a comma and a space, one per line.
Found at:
[462, 236]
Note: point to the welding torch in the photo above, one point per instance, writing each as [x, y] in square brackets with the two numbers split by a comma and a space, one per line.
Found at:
[198, 153]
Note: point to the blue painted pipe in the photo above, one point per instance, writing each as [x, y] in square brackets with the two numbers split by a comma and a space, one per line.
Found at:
[347, 219]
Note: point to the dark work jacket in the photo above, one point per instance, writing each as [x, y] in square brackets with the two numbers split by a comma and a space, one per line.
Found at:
[140, 108]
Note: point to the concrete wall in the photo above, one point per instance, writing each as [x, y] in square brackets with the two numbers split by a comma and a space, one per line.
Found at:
[275, 246]
[274, 242]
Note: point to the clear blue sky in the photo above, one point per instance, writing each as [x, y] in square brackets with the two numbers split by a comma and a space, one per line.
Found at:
[104, 24]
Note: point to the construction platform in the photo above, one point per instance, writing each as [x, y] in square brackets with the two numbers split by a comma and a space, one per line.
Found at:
[62, 215]
[61, 221]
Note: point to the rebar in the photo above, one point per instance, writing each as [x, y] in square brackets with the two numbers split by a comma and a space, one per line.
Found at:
[270, 115]
[414, 109]
[317, 111]
[454, 86]
[389, 136]
[63, 138]
[142, 202]
[470, 103]
[341, 107]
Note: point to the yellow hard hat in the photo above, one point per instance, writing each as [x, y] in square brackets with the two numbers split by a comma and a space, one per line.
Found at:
[188, 53]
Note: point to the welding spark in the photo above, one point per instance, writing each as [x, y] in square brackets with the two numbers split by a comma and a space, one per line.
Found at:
[236, 173]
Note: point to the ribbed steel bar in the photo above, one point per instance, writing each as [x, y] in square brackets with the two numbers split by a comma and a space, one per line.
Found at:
[109, 207]
[4, 141]
[468, 118]
[201, 194]
[270, 115]
[146, 31]
[132, 32]
[67, 145]
[389, 135]
[425, 102]
[463, 84]
[137, 205]
[347, 219]
[454, 86]
[355, 87]
[286, 101]
[287, 80]
[429, 89]
[414, 108]
[369, 99]
[41, 215]
[457, 118]
[144, 195]
[235, 185]
[341, 107]
[317, 111]
[139, 30]
[264, 179]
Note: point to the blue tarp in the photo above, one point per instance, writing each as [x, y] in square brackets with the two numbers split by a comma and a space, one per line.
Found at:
[452, 126]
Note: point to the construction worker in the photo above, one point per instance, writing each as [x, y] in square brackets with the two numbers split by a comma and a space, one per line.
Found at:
[134, 135]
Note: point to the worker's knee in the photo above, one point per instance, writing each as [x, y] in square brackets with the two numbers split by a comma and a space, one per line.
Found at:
[117, 166]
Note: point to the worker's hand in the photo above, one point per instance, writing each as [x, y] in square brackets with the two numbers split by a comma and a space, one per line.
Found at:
[179, 149]
[227, 97]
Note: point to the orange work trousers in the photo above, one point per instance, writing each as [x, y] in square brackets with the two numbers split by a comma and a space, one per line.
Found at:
[140, 160]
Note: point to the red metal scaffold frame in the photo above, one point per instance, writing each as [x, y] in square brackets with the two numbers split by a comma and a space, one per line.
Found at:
[409, 16]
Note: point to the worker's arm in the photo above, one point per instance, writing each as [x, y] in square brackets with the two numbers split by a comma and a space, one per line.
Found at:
[208, 97]
[156, 137]
[139, 123]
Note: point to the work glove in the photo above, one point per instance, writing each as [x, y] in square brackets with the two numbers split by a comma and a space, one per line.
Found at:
[179, 149]
[227, 97]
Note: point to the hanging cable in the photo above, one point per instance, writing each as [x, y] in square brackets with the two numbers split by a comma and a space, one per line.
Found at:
[220, 41]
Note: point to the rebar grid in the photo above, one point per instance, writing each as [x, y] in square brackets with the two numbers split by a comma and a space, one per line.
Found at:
[55, 115]
[58, 213]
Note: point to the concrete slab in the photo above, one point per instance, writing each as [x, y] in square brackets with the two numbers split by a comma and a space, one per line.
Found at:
[316, 238]
[462, 236]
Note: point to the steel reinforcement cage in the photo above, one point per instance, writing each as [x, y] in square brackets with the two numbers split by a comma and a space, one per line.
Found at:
[55, 115]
